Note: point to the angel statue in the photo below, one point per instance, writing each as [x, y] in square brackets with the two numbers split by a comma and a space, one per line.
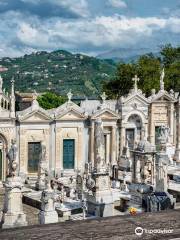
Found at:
[11, 156]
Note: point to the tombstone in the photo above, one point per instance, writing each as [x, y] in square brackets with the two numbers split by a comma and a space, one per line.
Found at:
[13, 215]
[48, 213]
[100, 202]
[162, 161]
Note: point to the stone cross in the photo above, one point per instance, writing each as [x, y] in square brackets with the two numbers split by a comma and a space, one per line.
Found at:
[135, 80]
[69, 95]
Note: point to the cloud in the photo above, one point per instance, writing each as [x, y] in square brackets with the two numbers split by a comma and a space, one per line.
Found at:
[48, 8]
[117, 3]
[22, 33]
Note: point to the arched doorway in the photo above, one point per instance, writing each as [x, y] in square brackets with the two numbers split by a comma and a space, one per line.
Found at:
[3, 151]
[133, 130]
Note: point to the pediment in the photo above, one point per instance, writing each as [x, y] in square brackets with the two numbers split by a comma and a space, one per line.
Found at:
[105, 114]
[35, 117]
[136, 100]
[70, 115]
[163, 96]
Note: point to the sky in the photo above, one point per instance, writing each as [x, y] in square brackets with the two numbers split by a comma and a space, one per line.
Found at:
[87, 26]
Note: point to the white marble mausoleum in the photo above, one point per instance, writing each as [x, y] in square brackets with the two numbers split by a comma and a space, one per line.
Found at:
[68, 132]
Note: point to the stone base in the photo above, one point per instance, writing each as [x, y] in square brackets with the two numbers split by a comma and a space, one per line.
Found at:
[101, 204]
[101, 209]
[177, 157]
[48, 217]
[40, 186]
[14, 220]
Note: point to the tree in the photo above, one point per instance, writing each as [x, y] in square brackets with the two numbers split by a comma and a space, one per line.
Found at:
[122, 82]
[148, 69]
[50, 100]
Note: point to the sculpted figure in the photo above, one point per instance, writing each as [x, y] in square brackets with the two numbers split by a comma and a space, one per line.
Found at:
[11, 156]
[99, 145]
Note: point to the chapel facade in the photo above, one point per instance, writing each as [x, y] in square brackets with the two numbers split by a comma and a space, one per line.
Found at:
[68, 132]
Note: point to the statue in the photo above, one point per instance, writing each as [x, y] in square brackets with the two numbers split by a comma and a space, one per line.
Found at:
[163, 134]
[42, 170]
[99, 145]
[11, 156]
[162, 80]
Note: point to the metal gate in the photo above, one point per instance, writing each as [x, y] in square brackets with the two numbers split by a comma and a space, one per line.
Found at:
[34, 151]
[68, 153]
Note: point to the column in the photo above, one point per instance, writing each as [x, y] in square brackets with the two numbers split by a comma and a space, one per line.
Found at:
[92, 144]
[122, 140]
[177, 153]
[171, 121]
[80, 158]
[113, 146]
[151, 128]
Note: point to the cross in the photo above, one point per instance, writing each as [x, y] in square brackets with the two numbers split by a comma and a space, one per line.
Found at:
[69, 95]
[104, 96]
[135, 80]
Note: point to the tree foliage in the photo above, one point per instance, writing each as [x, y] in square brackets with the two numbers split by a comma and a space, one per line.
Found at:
[50, 100]
[148, 69]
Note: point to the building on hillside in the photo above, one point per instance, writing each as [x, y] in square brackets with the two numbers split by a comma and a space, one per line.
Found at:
[68, 131]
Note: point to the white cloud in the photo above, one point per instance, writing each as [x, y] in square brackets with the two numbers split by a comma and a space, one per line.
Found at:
[20, 34]
[117, 3]
[79, 7]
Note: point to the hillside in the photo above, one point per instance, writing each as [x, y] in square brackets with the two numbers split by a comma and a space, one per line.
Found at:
[57, 71]
[126, 55]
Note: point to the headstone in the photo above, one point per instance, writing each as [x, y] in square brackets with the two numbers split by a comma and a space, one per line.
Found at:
[48, 213]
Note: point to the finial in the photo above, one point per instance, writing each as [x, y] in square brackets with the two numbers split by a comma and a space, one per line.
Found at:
[162, 80]
[135, 80]
[69, 95]
[35, 95]
[103, 97]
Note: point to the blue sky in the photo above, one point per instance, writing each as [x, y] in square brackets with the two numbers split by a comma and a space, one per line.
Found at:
[88, 26]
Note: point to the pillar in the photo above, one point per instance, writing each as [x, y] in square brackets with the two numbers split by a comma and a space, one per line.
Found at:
[177, 152]
[113, 146]
[122, 140]
[92, 144]
[171, 121]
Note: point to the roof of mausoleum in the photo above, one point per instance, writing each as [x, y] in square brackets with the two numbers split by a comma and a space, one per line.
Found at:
[163, 94]
[92, 106]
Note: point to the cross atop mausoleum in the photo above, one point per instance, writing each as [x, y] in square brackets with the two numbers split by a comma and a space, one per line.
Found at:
[135, 80]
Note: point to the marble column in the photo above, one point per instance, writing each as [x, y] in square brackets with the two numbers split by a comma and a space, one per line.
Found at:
[122, 140]
[113, 146]
[92, 144]
[151, 127]
[171, 121]
[177, 152]
[80, 164]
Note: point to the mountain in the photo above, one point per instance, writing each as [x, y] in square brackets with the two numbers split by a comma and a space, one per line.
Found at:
[57, 71]
[125, 54]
